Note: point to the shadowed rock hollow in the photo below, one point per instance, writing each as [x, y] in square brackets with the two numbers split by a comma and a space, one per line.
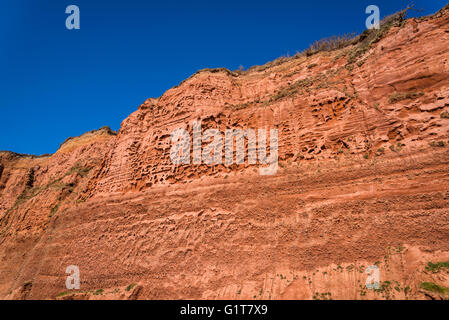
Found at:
[363, 180]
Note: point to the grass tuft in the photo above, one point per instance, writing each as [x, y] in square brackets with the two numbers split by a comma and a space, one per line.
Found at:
[437, 144]
[98, 292]
[435, 267]
[399, 96]
[444, 115]
[132, 285]
[430, 286]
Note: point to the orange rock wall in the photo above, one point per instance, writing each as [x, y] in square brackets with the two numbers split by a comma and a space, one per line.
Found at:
[363, 178]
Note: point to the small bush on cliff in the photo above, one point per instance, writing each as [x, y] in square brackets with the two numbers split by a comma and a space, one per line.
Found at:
[54, 210]
[132, 285]
[64, 293]
[397, 148]
[330, 44]
[82, 171]
[27, 194]
[430, 286]
[437, 144]
[98, 292]
[357, 45]
[444, 115]
[399, 96]
[365, 41]
[436, 267]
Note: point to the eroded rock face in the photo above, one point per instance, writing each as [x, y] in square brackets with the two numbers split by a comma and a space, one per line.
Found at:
[363, 180]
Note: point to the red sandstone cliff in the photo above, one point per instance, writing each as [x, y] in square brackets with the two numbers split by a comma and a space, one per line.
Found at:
[363, 180]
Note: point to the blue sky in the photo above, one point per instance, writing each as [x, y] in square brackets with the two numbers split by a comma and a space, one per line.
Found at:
[57, 83]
